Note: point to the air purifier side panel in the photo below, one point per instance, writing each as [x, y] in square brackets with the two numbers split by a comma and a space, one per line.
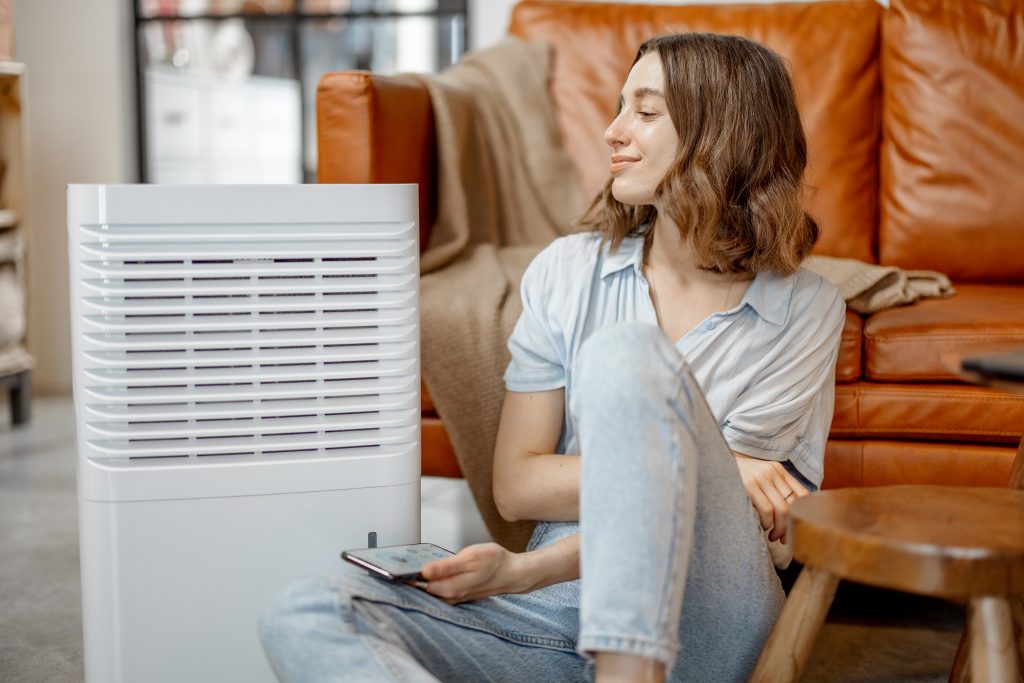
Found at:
[101, 625]
[173, 590]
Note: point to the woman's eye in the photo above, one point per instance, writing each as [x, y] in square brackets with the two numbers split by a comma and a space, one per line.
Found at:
[646, 114]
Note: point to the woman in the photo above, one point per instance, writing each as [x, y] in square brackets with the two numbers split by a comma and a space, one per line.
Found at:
[671, 387]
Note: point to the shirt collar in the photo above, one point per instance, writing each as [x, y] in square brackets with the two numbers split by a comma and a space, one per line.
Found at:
[769, 295]
[629, 253]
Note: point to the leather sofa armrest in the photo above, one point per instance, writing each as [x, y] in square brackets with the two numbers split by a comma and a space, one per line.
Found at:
[377, 129]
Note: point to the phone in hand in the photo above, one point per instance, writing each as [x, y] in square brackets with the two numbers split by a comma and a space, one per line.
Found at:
[397, 562]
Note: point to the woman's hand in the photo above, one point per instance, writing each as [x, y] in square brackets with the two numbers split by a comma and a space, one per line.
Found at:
[770, 488]
[475, 572]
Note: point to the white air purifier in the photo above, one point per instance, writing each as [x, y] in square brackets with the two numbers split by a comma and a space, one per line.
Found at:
[246, 378]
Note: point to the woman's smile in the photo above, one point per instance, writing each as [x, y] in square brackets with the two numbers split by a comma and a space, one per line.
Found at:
[620, 162]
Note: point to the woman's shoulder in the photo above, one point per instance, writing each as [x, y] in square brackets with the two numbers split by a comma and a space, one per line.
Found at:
[812, 288]
[569, 256]
[579, 247]
[815, 297]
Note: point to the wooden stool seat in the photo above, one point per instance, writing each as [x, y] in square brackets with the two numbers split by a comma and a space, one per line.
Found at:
[965, 544]
[943, 541]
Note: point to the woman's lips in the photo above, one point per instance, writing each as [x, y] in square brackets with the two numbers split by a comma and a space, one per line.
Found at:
[619, 164]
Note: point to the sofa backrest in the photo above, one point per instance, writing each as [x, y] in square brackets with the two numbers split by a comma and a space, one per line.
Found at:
[952, 164]
[833, 52]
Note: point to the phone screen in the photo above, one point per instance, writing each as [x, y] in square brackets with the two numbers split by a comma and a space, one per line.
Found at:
[397, 561]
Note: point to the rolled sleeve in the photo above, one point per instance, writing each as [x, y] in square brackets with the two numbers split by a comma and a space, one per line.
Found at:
[536, 344]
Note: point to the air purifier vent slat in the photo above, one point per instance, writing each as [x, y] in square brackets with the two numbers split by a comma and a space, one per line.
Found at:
[246, 304]
[132, 342]
[117, 394]
[328, 268]
[322, 421]
[258, 251]
[182, 322]
[197, 359]
[251, 285]
[249, 373]
[320, 440]
[199, 231]
[213, 410]
[270, 454]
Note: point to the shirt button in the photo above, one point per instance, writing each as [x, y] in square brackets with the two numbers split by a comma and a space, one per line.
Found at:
[709, 325]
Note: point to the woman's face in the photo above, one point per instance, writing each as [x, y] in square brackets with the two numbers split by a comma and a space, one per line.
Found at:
[642, 137]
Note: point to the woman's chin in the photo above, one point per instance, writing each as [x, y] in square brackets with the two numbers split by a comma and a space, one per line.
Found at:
[631, 196]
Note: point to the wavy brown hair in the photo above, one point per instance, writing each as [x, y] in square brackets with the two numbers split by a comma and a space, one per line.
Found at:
[735, 186]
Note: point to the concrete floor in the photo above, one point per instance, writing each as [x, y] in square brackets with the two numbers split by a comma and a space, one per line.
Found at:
[871, 636]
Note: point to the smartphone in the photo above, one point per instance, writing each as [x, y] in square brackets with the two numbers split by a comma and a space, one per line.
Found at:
[397, 562]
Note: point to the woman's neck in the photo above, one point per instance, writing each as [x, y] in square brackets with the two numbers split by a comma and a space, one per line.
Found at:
[669, 254]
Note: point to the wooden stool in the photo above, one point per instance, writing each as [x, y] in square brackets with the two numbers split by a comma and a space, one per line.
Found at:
[964, 544]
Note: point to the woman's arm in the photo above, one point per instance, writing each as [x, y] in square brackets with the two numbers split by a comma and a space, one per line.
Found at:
[487, 569]
[530, 482]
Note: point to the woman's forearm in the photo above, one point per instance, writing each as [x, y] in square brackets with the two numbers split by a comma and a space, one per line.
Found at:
[544, 487]
[551, 564]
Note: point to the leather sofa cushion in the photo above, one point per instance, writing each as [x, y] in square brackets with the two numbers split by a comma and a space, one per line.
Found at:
[848, 365]
[952, 190]
[832, 48]
[951, 412]
[907, 344]
[885, 463]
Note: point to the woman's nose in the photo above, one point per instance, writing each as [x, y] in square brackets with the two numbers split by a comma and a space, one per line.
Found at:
[614, 135]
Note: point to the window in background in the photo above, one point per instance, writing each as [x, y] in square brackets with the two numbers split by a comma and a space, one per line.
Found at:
[227, 88]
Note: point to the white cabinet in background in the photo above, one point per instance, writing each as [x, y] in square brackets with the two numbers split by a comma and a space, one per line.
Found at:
[204, 129]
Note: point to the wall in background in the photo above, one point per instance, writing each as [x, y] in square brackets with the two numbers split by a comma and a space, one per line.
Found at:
[81, 130]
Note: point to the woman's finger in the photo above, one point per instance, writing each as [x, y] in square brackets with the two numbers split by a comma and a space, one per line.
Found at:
[780, 508]
[763, 507]
[794, 485]
[449, 566]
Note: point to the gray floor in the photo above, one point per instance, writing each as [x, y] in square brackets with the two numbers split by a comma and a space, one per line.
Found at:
[871, 636]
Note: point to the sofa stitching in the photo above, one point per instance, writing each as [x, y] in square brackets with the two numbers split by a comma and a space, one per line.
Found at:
[917, 338]
[897, 430]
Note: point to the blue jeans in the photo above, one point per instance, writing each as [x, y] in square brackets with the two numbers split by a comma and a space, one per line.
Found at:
[674, 563]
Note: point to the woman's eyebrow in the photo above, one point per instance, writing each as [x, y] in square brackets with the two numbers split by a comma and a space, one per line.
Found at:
[644, 92]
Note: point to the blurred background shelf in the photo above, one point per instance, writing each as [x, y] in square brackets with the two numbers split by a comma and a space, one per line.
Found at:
[15, 361]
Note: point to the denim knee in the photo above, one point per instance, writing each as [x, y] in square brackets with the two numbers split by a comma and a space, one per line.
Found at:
[278, 622]
[623, 362]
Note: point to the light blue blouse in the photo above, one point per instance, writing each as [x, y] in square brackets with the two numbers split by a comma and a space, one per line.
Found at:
[767, 366]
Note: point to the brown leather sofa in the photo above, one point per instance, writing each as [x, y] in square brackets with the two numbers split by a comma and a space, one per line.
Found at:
[915, 123]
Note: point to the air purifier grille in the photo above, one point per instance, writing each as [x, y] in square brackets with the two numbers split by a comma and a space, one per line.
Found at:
[240, 341]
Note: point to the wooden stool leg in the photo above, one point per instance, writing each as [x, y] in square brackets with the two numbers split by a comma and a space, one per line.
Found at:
[786, 651]
[993, 642]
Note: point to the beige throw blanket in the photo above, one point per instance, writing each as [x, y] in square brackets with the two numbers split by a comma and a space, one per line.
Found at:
[869, 288]
[506, 188]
